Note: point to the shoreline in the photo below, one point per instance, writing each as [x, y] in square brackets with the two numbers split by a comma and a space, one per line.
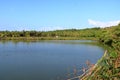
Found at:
[48, 38]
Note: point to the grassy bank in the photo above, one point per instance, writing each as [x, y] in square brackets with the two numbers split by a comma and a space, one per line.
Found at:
[108, 67]
[48, 38]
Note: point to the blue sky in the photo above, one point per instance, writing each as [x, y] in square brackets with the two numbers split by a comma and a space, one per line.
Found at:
[57, 14]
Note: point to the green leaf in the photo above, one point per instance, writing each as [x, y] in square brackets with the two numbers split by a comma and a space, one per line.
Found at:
[113, 54]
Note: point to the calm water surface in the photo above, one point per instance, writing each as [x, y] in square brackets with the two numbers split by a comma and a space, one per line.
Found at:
[45, 60]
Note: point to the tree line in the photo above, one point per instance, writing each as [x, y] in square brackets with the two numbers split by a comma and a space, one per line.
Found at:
[61, 33]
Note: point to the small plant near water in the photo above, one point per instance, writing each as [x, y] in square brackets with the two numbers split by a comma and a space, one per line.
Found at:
[107, 68]
[76, 73]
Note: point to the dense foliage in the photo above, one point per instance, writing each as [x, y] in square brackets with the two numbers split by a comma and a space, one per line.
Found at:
[108, 67]
[58, 34]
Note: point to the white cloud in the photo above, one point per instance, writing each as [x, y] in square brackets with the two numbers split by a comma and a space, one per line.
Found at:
[103, 24]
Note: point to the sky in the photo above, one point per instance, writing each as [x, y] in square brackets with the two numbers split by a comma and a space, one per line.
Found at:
[44, 15]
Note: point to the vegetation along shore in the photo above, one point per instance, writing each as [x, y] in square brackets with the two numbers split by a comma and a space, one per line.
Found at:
[107, 68]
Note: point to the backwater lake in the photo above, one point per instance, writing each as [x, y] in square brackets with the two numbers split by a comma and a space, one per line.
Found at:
[47, 59]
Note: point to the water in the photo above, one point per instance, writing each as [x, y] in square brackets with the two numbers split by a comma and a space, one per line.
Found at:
[45, 60]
